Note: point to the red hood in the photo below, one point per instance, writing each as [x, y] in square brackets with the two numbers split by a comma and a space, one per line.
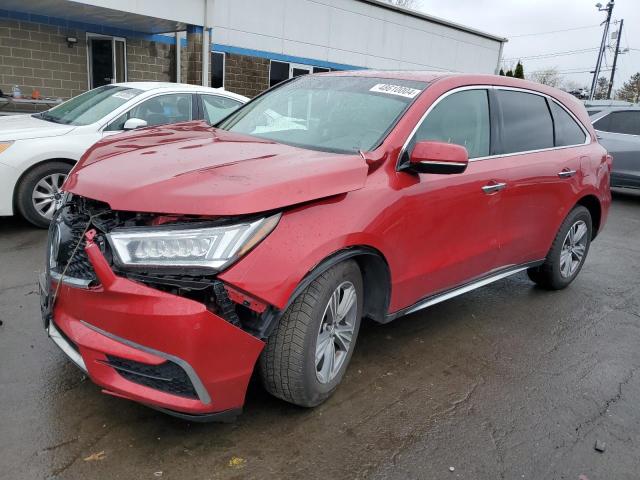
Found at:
[192, 168]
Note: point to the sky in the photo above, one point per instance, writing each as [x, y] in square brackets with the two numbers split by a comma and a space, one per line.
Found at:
[524, 23]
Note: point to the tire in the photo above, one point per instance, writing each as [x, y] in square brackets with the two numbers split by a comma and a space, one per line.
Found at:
[554, 273]
[53, 171]
[288, 366]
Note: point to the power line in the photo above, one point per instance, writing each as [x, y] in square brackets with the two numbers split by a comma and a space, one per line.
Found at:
[552, 31]
[553, 54]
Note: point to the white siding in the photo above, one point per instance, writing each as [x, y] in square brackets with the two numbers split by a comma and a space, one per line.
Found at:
[351, 32]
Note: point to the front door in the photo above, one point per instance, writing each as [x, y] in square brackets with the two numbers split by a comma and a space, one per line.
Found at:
[454, 219]
[107, 60]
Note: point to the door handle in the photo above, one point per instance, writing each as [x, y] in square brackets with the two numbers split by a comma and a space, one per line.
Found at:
[493, 187]
[566, 173]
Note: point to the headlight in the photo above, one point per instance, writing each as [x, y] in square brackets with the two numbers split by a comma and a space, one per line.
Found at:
[4, 146]
[211, 247]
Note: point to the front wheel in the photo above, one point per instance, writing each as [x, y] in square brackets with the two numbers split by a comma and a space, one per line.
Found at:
[568, 252]
[308, 353]
[40, 190]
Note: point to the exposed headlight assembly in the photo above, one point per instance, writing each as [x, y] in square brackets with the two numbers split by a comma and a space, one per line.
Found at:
[210, 247]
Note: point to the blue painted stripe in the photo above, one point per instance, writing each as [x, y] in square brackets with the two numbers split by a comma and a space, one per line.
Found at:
[283, 58]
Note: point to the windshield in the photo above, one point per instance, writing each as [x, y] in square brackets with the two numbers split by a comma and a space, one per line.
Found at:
[91, 106]
[335, 114]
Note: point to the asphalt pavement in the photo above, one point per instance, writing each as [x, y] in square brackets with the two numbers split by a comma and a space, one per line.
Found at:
[507, 382]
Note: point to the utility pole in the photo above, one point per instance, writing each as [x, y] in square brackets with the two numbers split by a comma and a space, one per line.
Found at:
[615, 59]
[603, 44]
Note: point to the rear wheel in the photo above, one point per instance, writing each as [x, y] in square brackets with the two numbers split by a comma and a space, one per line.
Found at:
[568, 252]
[308, 353]
[40, 190]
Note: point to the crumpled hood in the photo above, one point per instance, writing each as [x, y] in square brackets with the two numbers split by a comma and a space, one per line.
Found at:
[192, 168]
[23, 127]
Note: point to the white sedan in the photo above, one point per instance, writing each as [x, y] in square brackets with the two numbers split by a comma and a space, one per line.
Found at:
[38, 151]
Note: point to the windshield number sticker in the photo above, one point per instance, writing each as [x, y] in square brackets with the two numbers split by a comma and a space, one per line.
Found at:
[395, 90]
[124, 95]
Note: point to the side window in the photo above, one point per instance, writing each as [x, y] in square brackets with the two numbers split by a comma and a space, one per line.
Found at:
[620, 122]
[526, 121]
[461, 118]
[172, 108]
[568, 132]
[217, 107]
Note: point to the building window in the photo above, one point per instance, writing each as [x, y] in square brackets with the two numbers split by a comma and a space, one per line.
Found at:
[217, 69]
[281, 71]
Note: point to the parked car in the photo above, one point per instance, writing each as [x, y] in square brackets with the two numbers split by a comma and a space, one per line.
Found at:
[618, 130]
[185, 257]
[37, 151]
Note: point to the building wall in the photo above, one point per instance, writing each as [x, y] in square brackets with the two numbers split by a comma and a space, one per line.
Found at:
[36, 56]
[350, 32]
[246, 75]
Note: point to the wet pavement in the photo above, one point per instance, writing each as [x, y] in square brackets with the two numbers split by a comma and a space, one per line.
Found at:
[509, 381]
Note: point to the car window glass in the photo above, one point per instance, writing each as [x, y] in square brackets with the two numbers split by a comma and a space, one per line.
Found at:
[620, 122]
[461, 118]
[171, 108]
[526, 122]
[217, 107]
[568, 132]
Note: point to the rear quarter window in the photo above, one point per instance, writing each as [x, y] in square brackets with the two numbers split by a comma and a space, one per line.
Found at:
[567, 130]
[527, 121]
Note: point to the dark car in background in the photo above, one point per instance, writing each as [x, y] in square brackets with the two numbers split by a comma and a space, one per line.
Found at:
[618, 130]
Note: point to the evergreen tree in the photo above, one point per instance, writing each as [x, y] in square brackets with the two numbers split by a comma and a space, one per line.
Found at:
[509, 73]
[519, 71]
[630, 91]
[602, 86]
[501, 72]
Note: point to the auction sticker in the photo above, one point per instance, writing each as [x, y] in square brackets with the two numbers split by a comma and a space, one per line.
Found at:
[395, 90]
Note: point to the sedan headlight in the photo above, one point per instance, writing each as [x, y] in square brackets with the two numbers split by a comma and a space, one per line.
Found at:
[211, 247]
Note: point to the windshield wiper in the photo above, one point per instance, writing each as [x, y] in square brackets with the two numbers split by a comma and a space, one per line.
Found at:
[49, 118]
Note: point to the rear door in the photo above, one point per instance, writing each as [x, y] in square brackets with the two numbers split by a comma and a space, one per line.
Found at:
[619, 133]
[541, 146]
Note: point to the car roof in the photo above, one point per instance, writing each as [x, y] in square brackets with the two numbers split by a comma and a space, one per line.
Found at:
[170, 86]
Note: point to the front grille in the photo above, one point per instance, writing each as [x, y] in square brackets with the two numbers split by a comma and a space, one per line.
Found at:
[167, 377]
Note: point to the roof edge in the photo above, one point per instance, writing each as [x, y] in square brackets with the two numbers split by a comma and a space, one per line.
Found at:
[431, 18]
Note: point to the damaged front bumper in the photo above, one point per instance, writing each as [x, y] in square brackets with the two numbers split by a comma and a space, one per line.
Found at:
[150, 346]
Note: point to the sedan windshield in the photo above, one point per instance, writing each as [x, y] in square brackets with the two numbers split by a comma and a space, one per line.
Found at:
[327, 113]
[91, 106]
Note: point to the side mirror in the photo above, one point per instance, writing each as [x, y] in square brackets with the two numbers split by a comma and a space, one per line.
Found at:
[438, 157]
[134, 123]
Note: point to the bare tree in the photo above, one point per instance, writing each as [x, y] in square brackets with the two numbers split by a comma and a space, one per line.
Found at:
[408, 4]
[547, 76]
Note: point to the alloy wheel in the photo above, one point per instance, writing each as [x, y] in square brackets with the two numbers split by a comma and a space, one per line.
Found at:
[335, 335]
[573, 249]
[46, 194]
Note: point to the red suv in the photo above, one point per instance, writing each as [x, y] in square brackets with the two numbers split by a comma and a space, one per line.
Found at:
[184, 257]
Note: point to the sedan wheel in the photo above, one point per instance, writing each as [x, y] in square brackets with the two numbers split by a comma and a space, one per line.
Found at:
[39, 191]
[573, 249]
[47, 193]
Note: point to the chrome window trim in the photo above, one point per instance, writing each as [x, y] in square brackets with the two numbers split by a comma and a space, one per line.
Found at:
[203, 395]
[587, 141]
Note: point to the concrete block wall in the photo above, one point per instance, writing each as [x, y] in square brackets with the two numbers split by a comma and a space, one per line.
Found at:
[150, 61]
[36, 56]
[246, 75]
